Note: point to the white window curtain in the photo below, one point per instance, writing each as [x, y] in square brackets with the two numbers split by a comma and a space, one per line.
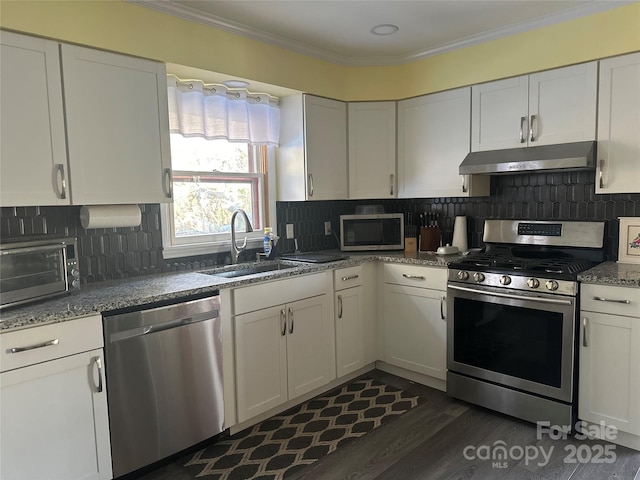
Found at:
[215, 112]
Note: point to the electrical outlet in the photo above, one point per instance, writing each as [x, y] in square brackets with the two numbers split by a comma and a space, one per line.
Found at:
[290, 230]
[327, 228]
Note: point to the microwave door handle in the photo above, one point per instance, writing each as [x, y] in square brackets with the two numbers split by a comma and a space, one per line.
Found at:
[554, 301]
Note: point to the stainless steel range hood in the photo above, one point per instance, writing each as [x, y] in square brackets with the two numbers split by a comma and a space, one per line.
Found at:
[565, 156]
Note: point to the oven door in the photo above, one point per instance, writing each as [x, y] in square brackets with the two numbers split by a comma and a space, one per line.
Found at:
[514, 339]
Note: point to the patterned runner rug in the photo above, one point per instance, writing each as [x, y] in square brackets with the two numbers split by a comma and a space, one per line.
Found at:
[281, 445]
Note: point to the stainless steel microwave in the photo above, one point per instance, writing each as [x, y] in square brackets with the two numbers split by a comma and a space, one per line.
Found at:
[33, 269]
[382, 231]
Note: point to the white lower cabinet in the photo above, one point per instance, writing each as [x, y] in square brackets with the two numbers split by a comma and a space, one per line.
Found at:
[415, 325]
[282, 351]
[349, 318]
[53, 404]
[609, 383]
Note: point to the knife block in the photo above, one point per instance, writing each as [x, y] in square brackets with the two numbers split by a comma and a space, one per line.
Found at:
[429, 239]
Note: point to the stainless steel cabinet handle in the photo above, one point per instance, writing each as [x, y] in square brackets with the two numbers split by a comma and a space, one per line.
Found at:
[442, 299]
[310, 176]
[59, 168]
[48, 343]
[290, 320]
[533, 119]
[585, 324]
[391, 185]
[602, 299]
[168, 184]
[413, 277]
[464, 184]
[350, 277]
[600, 170]
[523, 120]
[283, 322]
[98, 363]
[339, 306]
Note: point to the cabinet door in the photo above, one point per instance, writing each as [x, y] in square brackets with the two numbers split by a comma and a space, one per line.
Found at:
[261, 361]
[433, 139]
[117, 127]
[349, 330]
[53, 420]
[499, 114]
[372, 150]
[325, 132]
[610, 371]
[618, 125]
[562, 105]
[415, 329]
[33, 158]
[310, 345]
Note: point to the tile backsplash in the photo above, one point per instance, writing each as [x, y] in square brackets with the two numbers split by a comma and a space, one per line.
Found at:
[113, 253]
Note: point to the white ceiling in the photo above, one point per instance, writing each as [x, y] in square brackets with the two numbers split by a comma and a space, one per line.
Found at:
[339, 31]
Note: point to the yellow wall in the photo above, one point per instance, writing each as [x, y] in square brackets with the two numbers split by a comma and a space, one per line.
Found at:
[119, 26]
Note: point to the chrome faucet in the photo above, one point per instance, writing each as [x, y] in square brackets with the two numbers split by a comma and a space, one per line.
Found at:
[235, 250]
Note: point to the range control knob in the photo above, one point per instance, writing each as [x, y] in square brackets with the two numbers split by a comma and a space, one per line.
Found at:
[552, 285]
[533, 283]
[462, 275]
[505, 280]
[75, 272]
[478, 277]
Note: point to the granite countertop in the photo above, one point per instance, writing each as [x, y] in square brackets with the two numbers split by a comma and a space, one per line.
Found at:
[613, 273]
[132, 292]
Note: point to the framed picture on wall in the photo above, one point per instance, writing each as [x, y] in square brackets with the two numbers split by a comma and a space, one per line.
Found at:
[629, 247]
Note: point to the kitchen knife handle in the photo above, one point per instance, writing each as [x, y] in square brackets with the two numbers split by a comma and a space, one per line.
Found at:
[585, 324]
[534, 118]
[310, 176]
[442, 299]
[391, 184]
[168, 184]
[523, 120]
[59, 169]
[464, 184]
[600, 172]
[339, 306]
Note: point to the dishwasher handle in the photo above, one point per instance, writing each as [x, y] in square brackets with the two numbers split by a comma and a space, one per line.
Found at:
[159, 327]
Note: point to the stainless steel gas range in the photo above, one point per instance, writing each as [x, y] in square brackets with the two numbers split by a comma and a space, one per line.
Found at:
[513, 318]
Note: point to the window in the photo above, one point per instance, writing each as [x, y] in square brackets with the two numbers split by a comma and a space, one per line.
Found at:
[211, 179]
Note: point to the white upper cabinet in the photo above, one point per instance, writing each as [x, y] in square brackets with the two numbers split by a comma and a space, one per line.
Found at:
[312, 163]
[619, 125]
[551, 107]
[433, 139]
[117, 127]
[372, 150]
[33, 157]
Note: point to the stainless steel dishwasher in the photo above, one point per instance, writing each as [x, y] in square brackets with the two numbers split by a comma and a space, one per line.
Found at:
[164, 381]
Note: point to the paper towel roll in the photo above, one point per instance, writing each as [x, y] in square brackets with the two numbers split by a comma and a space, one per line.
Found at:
[460, 234]
[109, 216]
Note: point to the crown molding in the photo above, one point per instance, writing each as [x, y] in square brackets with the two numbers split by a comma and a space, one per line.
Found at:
[168, 7]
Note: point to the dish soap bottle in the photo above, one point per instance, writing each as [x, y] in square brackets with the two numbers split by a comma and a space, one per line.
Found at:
[267, 241]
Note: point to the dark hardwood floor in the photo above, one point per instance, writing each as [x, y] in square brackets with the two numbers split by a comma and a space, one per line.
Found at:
[447, 439]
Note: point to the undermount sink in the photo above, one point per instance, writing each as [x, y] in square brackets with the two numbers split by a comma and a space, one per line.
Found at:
[244, 271]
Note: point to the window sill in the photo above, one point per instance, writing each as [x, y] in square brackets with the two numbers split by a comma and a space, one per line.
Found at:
[177, 251]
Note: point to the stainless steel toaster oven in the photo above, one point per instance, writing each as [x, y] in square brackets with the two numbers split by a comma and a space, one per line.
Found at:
[35, 268]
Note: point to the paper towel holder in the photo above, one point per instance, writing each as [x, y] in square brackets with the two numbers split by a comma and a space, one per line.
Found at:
[110, 216]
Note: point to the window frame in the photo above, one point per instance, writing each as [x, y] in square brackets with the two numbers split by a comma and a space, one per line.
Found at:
[175, 247]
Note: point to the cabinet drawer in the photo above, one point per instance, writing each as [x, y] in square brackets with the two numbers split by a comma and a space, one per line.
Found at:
[49, 342]
[268, 294]
[610, 299]
[347, 277]
[416, 276]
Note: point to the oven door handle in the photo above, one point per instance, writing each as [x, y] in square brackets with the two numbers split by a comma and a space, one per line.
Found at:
[555, 301]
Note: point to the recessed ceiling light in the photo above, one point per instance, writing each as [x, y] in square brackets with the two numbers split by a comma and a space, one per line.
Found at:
[384, 29]
[235, 84]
